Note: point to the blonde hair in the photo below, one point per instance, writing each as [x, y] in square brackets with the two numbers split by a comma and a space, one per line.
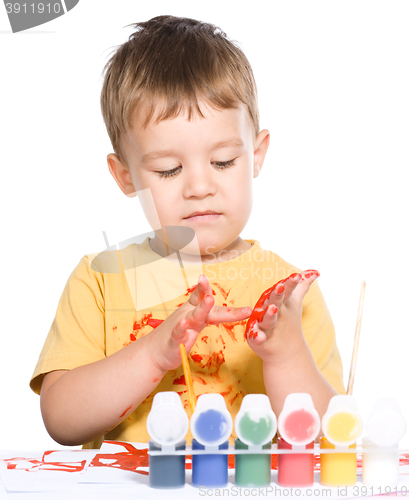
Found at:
[174, 61]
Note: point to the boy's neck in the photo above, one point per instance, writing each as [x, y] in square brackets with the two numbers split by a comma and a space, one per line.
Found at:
[236, 248]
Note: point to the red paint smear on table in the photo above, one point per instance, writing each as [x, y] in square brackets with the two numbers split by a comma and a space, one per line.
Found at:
[45, 465]
[128, 460]
[132, 459]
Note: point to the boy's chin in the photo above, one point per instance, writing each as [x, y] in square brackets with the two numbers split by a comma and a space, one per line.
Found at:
[175, 239]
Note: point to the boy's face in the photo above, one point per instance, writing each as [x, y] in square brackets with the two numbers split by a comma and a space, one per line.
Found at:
[202, 165]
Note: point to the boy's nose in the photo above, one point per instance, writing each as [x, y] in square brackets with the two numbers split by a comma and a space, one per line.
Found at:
[199, 182]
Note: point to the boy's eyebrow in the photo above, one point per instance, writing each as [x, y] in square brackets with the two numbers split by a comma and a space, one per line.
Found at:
[236, 143]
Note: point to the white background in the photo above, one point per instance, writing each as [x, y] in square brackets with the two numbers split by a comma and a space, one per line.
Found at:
[333, 80]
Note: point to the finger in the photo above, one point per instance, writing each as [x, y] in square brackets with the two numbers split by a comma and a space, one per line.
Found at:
[201, 289]
[199, 314]
[276, 295]
[222, 314]
[307, 279]
[178, 334]
[269, 318]
[265, 318]
[290, 284]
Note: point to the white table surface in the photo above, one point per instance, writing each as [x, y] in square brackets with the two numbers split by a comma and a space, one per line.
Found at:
[102, 474]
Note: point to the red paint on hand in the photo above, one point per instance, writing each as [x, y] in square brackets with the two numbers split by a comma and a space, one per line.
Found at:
[124, 413]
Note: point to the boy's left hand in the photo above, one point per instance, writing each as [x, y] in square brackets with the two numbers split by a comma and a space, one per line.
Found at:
[274, 329]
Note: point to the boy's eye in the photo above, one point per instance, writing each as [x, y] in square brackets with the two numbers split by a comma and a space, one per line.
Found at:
[224, 164]
[219, 164]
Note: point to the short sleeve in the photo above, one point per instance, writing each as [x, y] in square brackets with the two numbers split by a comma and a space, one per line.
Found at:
[319, 333]
[77, 334]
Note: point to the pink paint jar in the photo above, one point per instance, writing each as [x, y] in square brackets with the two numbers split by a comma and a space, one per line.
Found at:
[296, 469]
[298, 425]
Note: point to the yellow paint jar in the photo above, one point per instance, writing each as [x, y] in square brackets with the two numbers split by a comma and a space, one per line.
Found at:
[337, 469]
[342, 426]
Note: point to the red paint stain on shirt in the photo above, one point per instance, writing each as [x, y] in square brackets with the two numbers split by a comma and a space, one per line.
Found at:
[190, 290]
[154, 322]
[226, 393]
[231, 401]
[196, 378]
[180, 381]
[147, 320]
[196, 357]
[213, 362]
[224, 292]
[229, 329]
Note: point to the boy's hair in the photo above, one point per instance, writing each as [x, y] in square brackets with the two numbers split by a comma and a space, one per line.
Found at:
[166, 66]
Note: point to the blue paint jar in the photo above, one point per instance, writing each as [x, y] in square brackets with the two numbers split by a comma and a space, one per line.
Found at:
[211, 425]
[209, 470]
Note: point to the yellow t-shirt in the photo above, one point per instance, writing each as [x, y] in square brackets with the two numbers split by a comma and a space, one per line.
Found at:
[116, 297]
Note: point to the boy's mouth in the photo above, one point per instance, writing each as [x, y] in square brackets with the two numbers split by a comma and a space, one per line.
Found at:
[208, 215]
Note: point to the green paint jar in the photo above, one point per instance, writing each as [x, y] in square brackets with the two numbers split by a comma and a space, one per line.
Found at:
[255, 425]
[252, 469]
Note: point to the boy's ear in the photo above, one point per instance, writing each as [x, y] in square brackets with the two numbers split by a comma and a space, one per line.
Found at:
[260, 150]
[120, 172]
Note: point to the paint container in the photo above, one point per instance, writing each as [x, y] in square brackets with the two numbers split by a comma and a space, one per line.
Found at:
[255, 425]
[342, 426]
[385, 427]
[167, 425]
[298, 425]
[211, 425]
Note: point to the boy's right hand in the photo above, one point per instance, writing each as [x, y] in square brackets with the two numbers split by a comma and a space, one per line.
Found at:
[184, 325]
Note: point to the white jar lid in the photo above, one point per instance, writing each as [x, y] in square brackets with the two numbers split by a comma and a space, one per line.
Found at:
[211, 423]
[342, 425]
[386, 425]
[299, 422]
[167, 422]
[255, 423]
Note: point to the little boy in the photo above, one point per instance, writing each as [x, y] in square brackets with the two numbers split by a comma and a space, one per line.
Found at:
[180, 105]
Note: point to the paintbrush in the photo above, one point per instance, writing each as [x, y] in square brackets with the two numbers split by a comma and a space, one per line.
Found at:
[356, 341]
[188, 378]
